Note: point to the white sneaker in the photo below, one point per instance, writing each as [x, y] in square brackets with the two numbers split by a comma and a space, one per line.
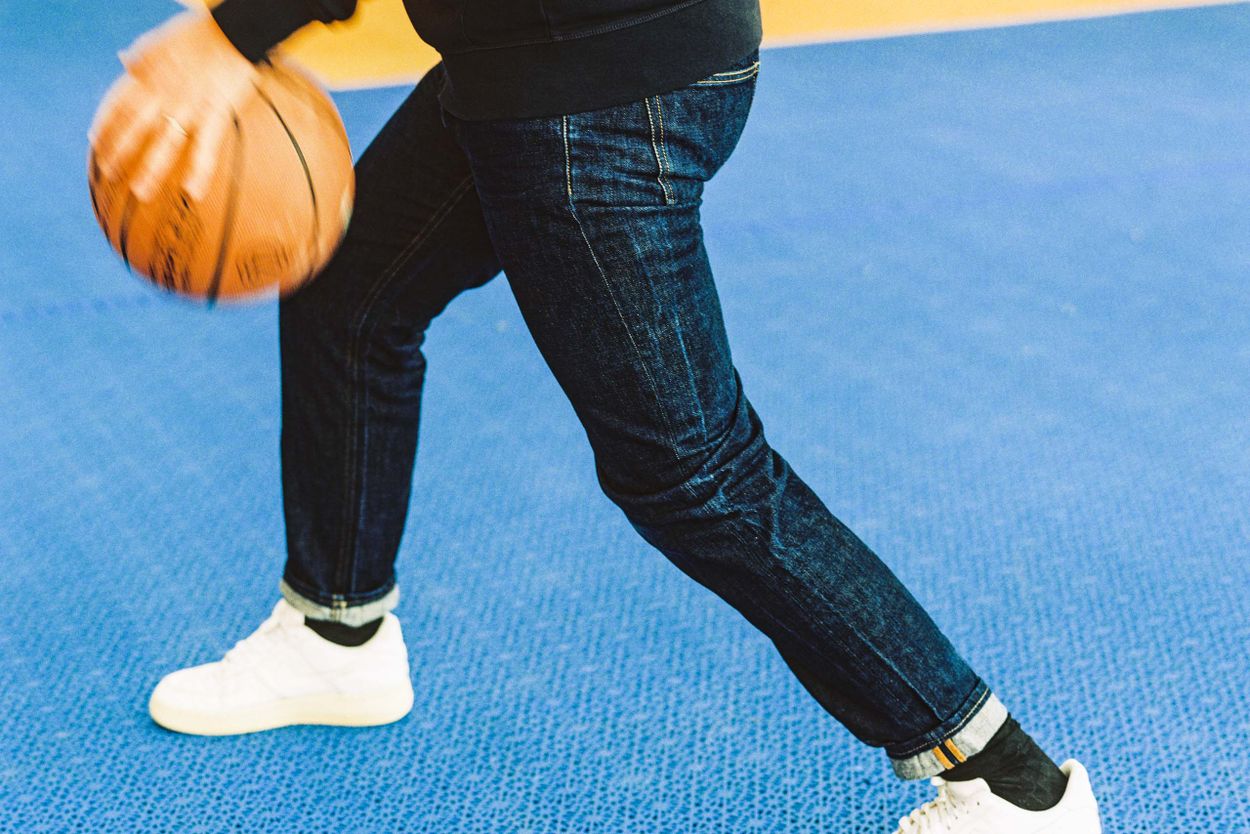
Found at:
[970, 808]
[285, 673]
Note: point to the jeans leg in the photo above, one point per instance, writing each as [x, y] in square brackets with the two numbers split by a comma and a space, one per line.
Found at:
[595, 219]
[352, 367]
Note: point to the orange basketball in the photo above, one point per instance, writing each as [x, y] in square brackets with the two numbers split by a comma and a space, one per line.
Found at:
[277, 208]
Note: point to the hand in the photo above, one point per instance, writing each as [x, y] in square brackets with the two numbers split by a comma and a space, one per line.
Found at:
[184, 82]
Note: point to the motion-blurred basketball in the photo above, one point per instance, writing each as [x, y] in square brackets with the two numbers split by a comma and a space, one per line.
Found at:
[277, 208]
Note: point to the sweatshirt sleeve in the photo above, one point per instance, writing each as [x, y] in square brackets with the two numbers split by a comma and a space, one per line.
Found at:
[256, 26]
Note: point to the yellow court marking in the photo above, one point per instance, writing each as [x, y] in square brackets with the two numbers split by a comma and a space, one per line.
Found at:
[805, 21]
[378, 47]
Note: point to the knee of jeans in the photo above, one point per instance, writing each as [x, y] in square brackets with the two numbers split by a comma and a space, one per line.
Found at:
[729, 477]
[396, 346]
[381, 337]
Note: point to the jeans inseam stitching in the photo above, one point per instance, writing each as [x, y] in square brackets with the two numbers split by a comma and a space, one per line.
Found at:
[659, 162]
[607, 285]
[659, 112]
[353, 363]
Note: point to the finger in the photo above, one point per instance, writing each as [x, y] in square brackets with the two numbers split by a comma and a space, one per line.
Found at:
[127, 110]
[127, 137]
[107, 104]
[158, 160]
[205, 153]
[121, 99]
[147, 51]
[136, 59]
[139, 48]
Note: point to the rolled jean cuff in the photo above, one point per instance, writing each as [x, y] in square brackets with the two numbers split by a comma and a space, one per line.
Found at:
[953, 743]
[341, 610]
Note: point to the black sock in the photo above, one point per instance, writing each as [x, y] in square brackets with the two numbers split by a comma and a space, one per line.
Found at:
[342, 634]
[1016, 769]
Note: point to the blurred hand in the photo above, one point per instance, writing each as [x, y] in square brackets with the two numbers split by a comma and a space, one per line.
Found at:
[184, 82]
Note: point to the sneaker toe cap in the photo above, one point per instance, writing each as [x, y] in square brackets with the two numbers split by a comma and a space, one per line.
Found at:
[190, 686]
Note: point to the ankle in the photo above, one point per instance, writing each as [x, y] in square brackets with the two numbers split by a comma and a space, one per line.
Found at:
[1016, 769]
[341, 634]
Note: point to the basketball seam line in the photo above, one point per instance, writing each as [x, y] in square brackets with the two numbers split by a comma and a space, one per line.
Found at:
[214, 286]
[312, 191]
[317, 101]
[123, 228]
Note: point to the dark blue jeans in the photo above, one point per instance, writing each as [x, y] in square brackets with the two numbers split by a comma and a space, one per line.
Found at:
[594, 218]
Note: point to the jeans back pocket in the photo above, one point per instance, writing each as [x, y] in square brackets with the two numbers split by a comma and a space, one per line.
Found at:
[744, 69]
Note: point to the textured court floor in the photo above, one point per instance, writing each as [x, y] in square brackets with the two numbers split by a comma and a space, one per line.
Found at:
[988, 291]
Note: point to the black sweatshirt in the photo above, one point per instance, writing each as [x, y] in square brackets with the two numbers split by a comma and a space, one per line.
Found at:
[532, 58]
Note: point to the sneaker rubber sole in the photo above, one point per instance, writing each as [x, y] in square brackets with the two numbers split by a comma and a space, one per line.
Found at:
[369, 709]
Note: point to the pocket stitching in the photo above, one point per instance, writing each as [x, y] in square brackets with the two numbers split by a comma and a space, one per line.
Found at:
[659, 111]
[659, 158]
[731, 76]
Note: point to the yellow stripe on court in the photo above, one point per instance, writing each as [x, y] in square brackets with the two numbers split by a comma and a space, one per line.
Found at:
[378, 47]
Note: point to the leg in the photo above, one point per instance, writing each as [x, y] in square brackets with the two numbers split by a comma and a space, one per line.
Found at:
[352, 367]
[595, 218]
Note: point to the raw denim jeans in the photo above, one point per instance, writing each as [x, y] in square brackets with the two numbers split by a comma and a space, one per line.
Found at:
[594, 218]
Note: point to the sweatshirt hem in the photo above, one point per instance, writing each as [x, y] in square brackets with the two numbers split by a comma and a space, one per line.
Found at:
[561, 77]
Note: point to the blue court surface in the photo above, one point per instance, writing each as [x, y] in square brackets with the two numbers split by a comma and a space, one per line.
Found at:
[988, 291]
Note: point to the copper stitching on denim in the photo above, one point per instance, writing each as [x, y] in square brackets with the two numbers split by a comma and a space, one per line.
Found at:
[353, 361]
[659, 160]
[734, 72]
[740, 71]
[659, 112]
[568, 159]
[731, 77]
[920, 748]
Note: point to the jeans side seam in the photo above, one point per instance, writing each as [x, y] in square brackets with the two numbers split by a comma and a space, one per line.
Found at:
[346, 540]
[335, 600]
[941, 751]
[668, 163]
[972, 713]
[799, 578]
[568, 160]
[966, 711]
[670, 435]
[353, 613]
[655, 149]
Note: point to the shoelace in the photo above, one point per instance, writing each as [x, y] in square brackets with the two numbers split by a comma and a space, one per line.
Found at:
[934, 817]
[245, 651]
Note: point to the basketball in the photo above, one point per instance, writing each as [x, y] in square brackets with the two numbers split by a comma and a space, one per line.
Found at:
[278, 205]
